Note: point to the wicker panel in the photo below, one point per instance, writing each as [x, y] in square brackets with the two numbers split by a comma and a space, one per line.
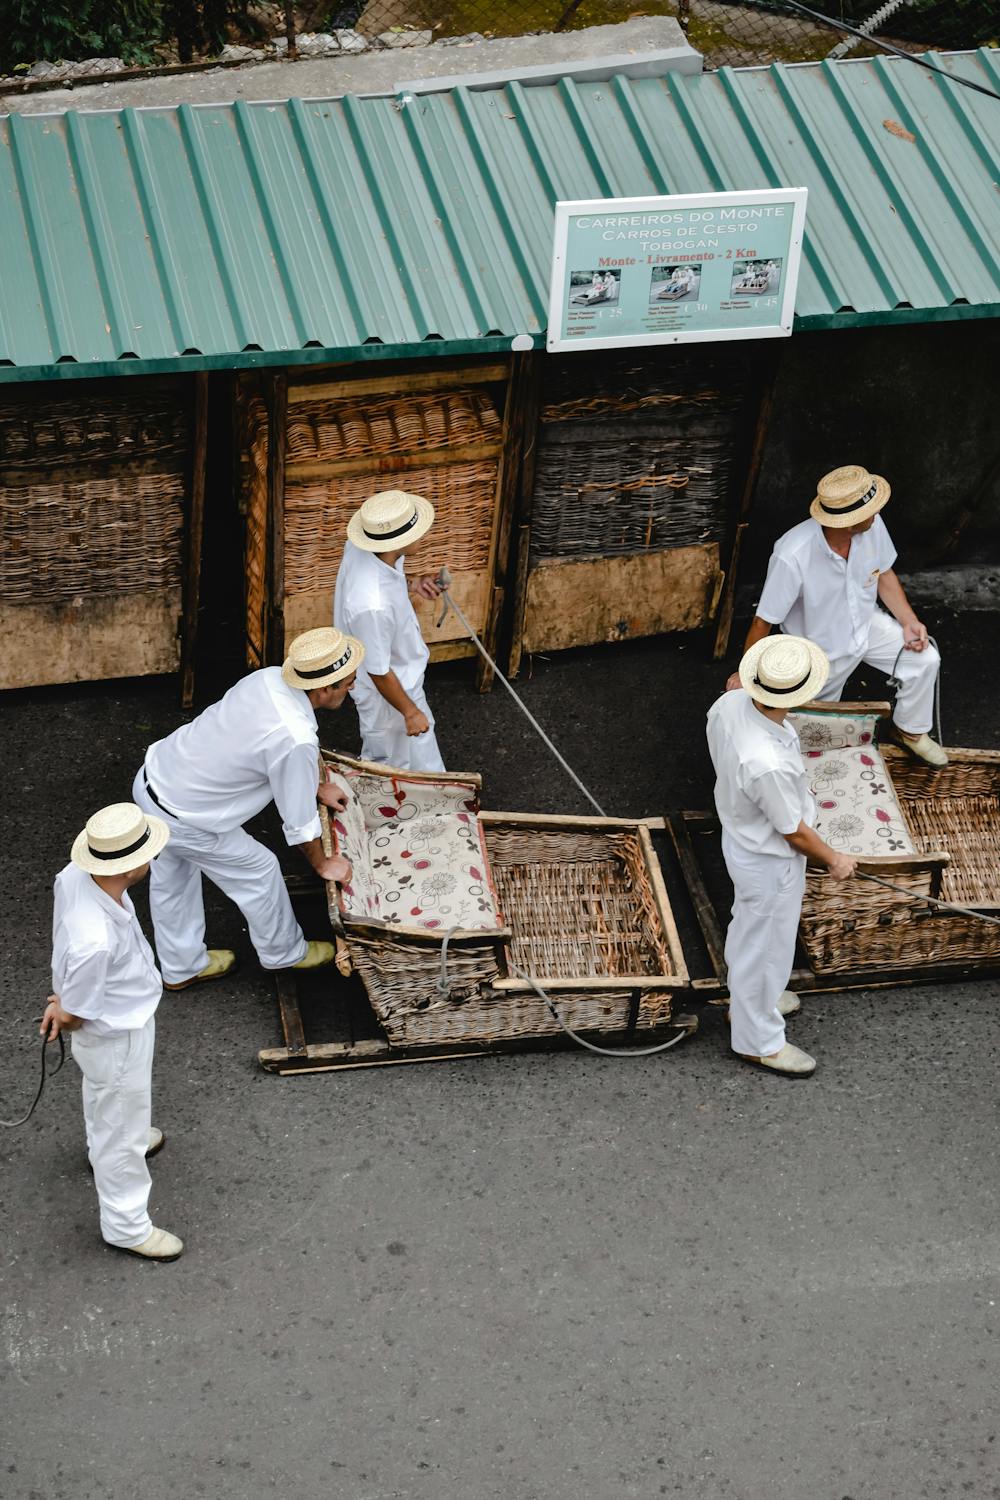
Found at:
[253, 484]
[634, 455]
[573, 911]
[80, 429]
[117, 534]
[317, 512]
[330, 430]
[867, 926]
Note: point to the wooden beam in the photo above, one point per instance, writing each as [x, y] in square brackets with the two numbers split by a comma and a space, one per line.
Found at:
[521, 412]
[662, 901]
[194, 539]
[522, 519]
[397, 385]
[277, 432]
[291, 1016]
[388, 463]
[756, 455]
[704, 910]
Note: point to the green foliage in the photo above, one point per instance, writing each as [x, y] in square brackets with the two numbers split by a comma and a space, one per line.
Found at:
[55, 30]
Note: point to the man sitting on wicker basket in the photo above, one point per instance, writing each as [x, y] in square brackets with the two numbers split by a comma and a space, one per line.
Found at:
[258, 745]
[372, 601]
[824, 580]
[767, 812]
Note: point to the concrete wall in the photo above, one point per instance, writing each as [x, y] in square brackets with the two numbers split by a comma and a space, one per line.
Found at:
[918, 404]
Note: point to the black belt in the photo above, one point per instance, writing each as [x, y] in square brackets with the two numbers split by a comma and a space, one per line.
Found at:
[155, 798]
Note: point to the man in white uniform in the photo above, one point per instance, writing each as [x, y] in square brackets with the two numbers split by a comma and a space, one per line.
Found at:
[107, 990]
[823, 581]
[767, 814]
[372, 602]
[259, 744]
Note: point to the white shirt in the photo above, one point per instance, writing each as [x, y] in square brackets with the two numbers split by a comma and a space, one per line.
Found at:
[372, 602]
[761, 790]
[257, 744]
[102, 966]
[812, 592]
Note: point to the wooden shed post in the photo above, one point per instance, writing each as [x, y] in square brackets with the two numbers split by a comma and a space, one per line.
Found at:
[761, 428]
[519, 418]
[277, 429]
[525, 495]
[194, 539]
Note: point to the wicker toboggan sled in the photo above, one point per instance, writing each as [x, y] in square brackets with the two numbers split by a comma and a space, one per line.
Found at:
[446, 901]
[934, 832]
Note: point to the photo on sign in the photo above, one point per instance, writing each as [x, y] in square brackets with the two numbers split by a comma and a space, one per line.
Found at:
[594, 288]
[675, 284]
[755, 277]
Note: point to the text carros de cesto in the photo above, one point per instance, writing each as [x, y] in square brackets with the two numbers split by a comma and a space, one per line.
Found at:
[694, 230]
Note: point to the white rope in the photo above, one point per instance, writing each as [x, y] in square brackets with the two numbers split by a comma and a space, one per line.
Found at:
[444, 578]
[444, 990]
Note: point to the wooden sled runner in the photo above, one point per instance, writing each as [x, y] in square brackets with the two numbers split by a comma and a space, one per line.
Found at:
[446, 901]
[935, 832]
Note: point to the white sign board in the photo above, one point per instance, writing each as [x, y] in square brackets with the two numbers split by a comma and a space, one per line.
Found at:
[675, 270]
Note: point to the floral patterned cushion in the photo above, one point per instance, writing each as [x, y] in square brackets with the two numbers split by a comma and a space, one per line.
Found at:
[417, 853]
[857, 809]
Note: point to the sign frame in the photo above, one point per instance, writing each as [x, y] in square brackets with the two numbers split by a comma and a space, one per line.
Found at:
[568, 209]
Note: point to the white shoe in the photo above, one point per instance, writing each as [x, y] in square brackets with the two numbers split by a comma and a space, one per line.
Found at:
[924, 748]
[158, 1245]
[789, 1003]
[790, 1061]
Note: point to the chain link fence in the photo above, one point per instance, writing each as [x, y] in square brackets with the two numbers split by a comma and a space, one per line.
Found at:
[735, 33]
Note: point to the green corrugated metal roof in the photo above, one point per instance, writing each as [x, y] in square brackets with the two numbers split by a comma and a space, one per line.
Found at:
[312, 230]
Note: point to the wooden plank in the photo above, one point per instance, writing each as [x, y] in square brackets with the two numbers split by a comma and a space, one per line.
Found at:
[389, 463]
[899, 756]
[471, 779]
[388, 384]
[662, 901]
[581, 603]
[470, 590]
[520, 605]
[91, 639]
[277, 432]
[452, 651]
[291, 1016]
[772, 359]
[521, 414]
[194, 539]
[576, 985]
[704, 910]
[558, 820]
[846, 710]
[484, 672]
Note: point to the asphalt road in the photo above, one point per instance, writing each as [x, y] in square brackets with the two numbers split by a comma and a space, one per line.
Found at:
[549, 1277]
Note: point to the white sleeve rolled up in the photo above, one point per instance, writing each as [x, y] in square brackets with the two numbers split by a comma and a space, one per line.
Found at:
[294, 778]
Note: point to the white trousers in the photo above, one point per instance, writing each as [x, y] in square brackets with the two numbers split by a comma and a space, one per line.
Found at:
[917, 671]
[117, 1083]
[248, 873]
[760, 943]
[384, 737]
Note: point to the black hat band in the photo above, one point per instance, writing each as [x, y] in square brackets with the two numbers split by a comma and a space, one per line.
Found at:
[387, 536]
[793, 689]
[334, 666]
[119, 853]
[854, 505]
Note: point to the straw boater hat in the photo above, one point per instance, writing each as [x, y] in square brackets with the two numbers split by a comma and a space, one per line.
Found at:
[117, 839]
[849, 495]
[784, 671]
[390, 520]
[321, 657]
